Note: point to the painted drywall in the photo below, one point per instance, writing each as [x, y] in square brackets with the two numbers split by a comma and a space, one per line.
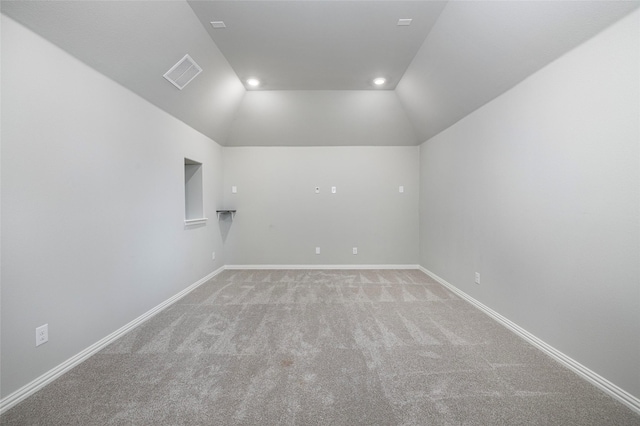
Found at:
[478, 50]
[135, 43]
[321, 118]
[93, 206]
[280, 219]
[539, 192]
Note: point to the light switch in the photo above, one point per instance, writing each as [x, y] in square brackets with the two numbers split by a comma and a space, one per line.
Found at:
[234, 189]
[333, 189]
[401, 189]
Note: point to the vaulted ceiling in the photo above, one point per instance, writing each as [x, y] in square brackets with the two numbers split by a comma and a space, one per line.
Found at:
[319, 45]
[317, 59]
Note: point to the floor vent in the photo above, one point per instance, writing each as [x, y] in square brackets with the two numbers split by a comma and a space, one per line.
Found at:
[183, 72]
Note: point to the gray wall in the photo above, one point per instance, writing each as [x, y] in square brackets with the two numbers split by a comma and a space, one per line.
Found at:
[465, 62]
[136, 47]
[321, 118]
[539, 191]
[93, 207]
[281, 219]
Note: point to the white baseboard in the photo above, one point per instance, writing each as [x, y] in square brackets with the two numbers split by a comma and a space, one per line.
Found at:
[37, 384]
[599, 381]
[320, 267]
[611, 389]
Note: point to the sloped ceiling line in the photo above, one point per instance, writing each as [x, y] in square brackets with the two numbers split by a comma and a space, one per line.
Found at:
[458, 56]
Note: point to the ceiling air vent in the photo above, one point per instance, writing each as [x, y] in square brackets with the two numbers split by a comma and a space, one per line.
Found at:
[183, 72]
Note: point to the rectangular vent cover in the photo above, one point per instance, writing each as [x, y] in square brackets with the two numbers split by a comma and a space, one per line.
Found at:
[183, 72]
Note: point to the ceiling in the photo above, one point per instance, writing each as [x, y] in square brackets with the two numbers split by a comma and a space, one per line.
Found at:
[454, 57]
[319, 45]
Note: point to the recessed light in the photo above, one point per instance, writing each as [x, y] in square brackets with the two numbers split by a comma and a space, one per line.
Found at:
[218, 24]
[404, 22]
[379, 81]
[253, 82]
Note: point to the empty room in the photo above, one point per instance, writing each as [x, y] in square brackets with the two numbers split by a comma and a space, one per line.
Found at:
[320, 212]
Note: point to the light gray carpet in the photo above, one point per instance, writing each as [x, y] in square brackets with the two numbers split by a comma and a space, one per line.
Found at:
[320, 348]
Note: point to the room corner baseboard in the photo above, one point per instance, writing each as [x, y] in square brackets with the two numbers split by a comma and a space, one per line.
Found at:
[320, 267]
[605, 385]
[48, 377]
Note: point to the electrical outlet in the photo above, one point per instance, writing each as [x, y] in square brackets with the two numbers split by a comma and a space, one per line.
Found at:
[355, 250]
[477, 277]
[42, 334]
[213, 256]
[317, 250]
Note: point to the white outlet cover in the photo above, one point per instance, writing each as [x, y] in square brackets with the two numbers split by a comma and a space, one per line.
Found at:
[234, 189]
[42, 334]
[355, 250]
[317, 250]
[333, 189]
[317, 189]
[401, 189]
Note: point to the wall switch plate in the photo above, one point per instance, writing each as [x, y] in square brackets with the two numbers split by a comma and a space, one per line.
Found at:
[213, 256]
[355, 250]
[317, 250]
[234, 189]
[477, 277]
[333, 189]
[401, 189]
[42, 334]
[317, 189]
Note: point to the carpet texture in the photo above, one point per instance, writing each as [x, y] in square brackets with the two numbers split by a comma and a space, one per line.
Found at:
[320, 348]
